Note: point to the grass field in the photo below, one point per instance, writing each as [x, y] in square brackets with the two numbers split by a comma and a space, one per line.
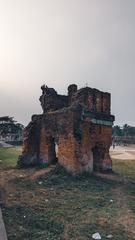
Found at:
[9, 156]
[41, 204]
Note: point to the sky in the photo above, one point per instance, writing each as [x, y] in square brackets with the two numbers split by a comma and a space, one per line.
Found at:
[60, 42]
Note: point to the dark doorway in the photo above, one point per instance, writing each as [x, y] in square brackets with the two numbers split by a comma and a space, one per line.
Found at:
[52, 151]
[98, 156]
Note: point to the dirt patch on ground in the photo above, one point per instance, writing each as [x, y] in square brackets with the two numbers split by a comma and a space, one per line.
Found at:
[41, 172]
[13, 193]
[122, 153]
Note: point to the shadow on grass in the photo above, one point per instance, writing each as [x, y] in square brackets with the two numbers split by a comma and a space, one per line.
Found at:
[32, 223]
[60, 179]
[130, 193]
[118, 232]
[29, 223]
[69, 202]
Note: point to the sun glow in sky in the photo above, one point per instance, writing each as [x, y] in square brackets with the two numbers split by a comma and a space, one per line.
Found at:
[59, 42]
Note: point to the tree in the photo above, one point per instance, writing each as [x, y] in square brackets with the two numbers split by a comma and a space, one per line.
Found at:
[117, 131]
[9, 126]
[126, 130]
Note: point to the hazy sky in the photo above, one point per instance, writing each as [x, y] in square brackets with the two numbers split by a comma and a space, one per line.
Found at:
[59, 42]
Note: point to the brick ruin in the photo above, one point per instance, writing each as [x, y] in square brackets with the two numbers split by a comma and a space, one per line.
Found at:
[74, 130]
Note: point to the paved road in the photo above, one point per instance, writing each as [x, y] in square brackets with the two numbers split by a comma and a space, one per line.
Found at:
[122, 153]
[5, 145]
[3, 235]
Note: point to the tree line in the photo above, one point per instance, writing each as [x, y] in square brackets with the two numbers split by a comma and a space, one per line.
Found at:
[10, 126]
[124, 131]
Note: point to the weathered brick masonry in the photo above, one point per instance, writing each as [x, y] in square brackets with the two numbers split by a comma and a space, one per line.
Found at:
[75, 130]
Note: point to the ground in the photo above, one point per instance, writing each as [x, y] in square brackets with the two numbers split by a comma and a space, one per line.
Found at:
[50, 204]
